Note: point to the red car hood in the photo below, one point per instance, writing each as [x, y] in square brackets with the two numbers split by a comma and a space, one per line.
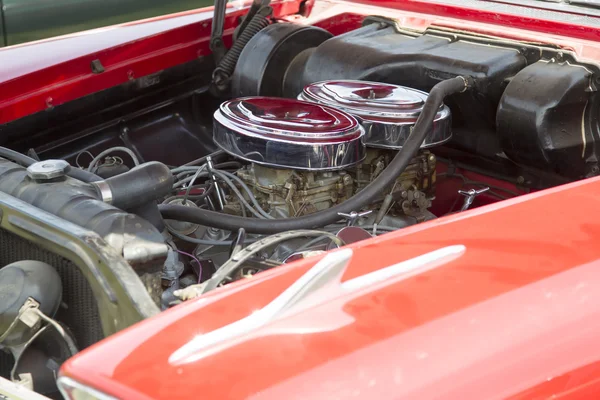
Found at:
[515, 312]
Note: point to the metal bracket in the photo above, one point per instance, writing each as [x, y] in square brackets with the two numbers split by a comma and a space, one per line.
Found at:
[209, 165]
[216, 35]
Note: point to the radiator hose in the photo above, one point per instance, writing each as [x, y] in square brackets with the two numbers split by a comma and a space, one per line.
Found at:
[411, 147]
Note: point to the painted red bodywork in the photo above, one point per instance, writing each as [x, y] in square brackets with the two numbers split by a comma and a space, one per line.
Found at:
[41, 75]
[516, 316]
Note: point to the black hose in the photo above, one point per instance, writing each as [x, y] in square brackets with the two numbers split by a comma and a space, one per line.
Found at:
[143, 184]
[26, 161]
[83, 175]
[422, 127]
[227, 64]
[17, 157]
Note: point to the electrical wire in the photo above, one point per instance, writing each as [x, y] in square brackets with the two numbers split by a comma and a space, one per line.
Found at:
[202, 159]
[79, 155]
[14, 323]
[189, 188]
[336, 227]
[223, 175]
[107, 152]
[227, 177]
[231, 266]
[411, 146]
[205, 242]
[181, 182]
[249, 192]
[194, 197]
[307, 246]
[68, 340]
[195, 259]
[239, 195]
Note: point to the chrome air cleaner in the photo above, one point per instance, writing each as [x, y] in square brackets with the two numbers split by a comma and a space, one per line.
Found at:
[386, 112]
[287, 133]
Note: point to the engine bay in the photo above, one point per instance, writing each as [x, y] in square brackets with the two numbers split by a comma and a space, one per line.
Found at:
[299, 143]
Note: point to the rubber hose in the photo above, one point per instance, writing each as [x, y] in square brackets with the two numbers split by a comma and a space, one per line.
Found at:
[422, 127]
[26, 161]
[143, 184]
[83, 175]
[227, 65]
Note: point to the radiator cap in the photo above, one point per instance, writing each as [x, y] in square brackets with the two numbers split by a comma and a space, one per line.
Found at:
[47, 170]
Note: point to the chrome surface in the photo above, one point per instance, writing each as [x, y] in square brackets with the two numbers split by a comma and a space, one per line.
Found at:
[470, 196]
[352, 234]
[209, 164]
[287, 133]
[320, 284]
[104, 190]
[354, 216]
[386, 112]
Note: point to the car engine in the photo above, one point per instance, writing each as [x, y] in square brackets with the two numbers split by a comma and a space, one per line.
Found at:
[162, 191]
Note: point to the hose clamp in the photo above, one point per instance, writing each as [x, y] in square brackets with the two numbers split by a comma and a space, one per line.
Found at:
[104, 190]
[468, 81]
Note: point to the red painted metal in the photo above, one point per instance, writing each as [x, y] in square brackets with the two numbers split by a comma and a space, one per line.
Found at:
[448, 182]
[490, 17]
[70, 79]
[339, 17]
[56, 80]
[515, 315]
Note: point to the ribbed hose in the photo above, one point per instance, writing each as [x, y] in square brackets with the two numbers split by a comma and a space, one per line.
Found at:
[227, 65]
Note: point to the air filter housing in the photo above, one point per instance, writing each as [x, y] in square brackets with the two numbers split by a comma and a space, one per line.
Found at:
[288, 133]
[386, 112]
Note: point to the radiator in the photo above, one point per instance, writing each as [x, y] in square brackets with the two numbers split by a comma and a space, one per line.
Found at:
[79, 312]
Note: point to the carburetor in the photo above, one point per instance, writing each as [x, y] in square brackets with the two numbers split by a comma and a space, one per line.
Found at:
[310, 154]
[412, 191]
[293, 193]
